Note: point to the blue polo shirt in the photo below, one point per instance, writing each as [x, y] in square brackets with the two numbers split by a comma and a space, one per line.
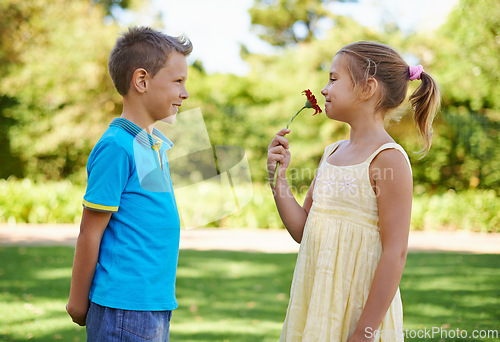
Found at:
[128, 176]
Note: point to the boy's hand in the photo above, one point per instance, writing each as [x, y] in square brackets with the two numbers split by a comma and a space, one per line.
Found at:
[278, 151]
[78, 315]
[86, 255]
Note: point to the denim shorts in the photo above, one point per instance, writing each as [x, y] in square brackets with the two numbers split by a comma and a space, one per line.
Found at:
[115, 325]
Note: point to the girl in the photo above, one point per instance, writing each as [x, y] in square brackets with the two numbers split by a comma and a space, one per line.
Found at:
[354, 224]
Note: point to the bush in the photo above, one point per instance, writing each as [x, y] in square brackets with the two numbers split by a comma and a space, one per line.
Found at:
[473, 210]
[23, 201]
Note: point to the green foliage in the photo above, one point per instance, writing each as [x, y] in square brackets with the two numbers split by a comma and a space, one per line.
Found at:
[24, 201]
[260, 212]
[240, 296]
[11, 163]
[277, 21]
[61, 97]
[466, 54]
[56, 98]
[468, 210]
[462, 156]
[473, 210]
[463, 57]
[109, 4]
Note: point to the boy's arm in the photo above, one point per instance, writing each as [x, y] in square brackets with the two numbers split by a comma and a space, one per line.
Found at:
[87, 251]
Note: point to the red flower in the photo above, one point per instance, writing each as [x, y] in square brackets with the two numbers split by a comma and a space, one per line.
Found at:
[311, 101]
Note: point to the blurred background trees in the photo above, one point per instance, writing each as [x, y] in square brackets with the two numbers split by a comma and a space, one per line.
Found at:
[56, 97]
[464, 56]
[285, 22]
[55, 92]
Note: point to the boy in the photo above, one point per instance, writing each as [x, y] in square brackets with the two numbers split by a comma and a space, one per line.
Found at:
[126, 253]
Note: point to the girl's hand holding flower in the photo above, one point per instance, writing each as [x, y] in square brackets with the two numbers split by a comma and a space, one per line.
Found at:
[277, 152]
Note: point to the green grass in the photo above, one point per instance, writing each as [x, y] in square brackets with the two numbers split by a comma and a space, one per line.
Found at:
[240, 296]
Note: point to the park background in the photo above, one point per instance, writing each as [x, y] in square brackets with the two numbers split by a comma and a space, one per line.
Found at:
[56, 99]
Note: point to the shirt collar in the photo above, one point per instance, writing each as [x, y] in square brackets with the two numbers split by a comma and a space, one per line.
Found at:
[141, 135]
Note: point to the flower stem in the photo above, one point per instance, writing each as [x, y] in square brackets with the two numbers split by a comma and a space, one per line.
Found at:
[287, 125]
[293, 117]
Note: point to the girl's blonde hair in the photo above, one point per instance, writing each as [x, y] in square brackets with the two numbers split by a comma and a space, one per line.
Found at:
[369, 59]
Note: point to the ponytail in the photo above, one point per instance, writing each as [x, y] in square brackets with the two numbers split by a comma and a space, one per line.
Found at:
[370, 59]
[425, 101]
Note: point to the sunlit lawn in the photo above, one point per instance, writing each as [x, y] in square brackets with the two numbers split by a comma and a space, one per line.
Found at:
[241, 296]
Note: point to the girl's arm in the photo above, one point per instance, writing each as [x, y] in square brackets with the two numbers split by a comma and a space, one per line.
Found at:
[292, 214]
[87, 251]
[394, 189]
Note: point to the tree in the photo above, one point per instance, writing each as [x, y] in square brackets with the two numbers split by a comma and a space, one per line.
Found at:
[56, 94]
[284, 22]
[463, 56]
[468, 67]
[467, 54]
[109, 4]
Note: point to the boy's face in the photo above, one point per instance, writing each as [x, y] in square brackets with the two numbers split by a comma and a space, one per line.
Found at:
[167, 89]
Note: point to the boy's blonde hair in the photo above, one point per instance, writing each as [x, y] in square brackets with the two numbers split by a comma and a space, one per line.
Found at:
[142, 47]
[370, 59]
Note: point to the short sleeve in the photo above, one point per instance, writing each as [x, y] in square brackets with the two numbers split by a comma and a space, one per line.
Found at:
[108, 171]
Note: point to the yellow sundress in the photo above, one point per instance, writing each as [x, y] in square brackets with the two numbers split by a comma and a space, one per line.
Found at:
[338, 255]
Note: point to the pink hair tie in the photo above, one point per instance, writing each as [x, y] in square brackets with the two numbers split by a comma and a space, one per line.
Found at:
[415, 72]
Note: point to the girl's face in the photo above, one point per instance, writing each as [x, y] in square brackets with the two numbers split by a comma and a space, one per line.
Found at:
[339, 92]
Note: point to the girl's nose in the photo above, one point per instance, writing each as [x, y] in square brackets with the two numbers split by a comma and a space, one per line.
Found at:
[323, 91]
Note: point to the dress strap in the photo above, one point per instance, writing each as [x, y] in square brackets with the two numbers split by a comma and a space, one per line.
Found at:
[331, 148]
[386, 147]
